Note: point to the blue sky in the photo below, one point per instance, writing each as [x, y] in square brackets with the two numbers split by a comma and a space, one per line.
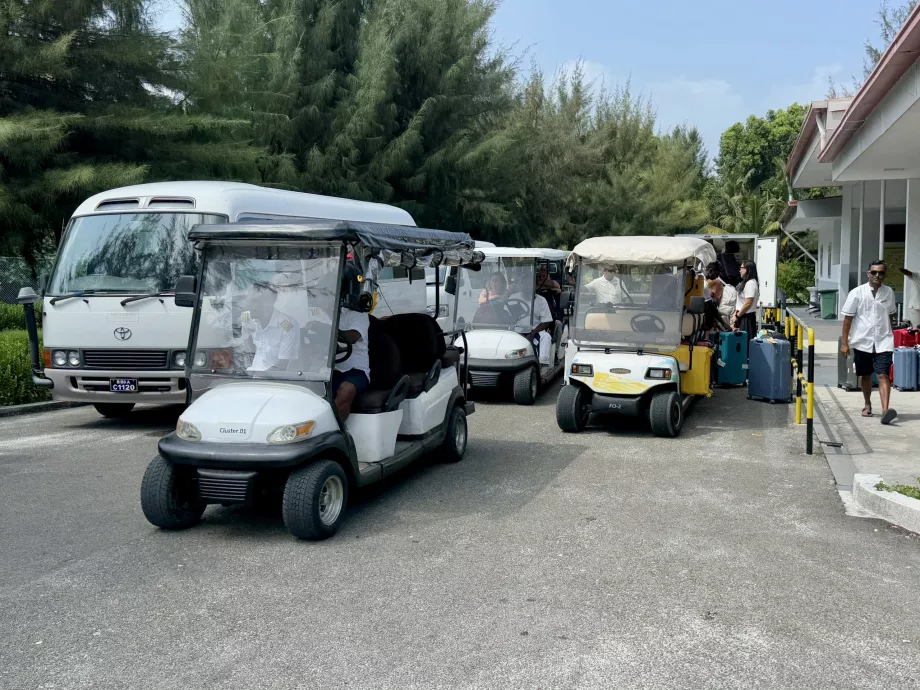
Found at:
[709, 63]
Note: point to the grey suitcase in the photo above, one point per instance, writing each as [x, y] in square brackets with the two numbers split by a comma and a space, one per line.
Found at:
[846, 370]
[770, 370]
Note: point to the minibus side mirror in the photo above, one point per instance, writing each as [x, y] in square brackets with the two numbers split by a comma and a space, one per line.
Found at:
[185, 291]
[450, 285]
[697, 305]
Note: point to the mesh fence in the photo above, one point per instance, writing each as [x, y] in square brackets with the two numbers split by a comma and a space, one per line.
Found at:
[16, 274]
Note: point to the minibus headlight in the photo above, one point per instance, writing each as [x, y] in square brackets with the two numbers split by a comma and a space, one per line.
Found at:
[73, 358]
[201, 359]
[179, 359]
[291, 432]
[59, 357]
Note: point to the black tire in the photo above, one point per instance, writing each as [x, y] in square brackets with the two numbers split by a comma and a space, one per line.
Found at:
[573, 407]
[666, 414]
[114, 410]
[526, 384]
[314, 501]
[457, 433]
[169, 496]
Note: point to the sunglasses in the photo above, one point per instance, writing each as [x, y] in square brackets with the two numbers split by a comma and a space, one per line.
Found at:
[877, 274]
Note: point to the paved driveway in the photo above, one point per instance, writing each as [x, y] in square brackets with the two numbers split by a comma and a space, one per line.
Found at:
[608, 559]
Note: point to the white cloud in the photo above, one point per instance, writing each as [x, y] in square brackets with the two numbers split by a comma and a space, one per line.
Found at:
[814, 89]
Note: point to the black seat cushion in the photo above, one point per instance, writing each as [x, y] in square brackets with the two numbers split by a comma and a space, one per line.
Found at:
[384, 356]
[417, 381]
[451, 357]
[419, 338]
[370, 400]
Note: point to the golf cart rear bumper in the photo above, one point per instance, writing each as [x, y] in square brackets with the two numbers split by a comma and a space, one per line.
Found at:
[250, 456]
[617, 404]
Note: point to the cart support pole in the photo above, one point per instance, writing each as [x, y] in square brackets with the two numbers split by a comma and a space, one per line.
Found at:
[810, 429]
[800, 332]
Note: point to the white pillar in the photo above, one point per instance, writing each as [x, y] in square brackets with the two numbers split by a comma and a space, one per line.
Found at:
[845, 251]
[881, 224]
[862, 222]
[911, 246]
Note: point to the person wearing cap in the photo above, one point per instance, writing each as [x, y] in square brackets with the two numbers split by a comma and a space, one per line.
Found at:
[609, 288]
[274, 334]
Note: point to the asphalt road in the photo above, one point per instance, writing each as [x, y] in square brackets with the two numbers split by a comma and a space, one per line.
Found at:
[608, 559]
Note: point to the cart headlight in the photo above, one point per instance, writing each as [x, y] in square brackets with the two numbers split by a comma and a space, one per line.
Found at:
[179, 359]
[436, 312]
[59, 357]
[187, 432]
[582, 370]
[289, 433]
[517, 354]
[201, 359]
[73, 358]
[659, 374]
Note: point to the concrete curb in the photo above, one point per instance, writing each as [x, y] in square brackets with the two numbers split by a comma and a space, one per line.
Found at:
[33, 408]
[888, 505]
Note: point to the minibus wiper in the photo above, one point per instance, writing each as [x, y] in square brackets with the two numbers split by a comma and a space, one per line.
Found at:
[61, 298]
[138, 298]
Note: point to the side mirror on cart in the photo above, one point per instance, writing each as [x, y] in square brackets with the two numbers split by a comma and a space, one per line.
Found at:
[185, 291]
[697, 305]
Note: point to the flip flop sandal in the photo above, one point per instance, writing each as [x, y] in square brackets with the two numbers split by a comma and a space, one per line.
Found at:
[889, 416]
[867, 412]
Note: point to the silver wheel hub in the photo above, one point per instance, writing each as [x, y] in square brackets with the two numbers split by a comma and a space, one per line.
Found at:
[331, 500]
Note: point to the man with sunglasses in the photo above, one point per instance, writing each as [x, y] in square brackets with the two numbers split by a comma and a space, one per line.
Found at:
[867, 330]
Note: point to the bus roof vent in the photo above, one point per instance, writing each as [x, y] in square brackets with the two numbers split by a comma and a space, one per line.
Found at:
[117, 204]
[171, 202]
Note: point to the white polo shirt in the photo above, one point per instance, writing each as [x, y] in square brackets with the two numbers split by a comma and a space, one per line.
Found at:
[541, 312]
[360, 358]
[278, 342]
[871, 327]
[608, 291]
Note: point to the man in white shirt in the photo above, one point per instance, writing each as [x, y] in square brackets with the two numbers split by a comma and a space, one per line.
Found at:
[867, 330]
[913, 310]
[354, 374]
[542, 323]
[274, 334]
[608, 288]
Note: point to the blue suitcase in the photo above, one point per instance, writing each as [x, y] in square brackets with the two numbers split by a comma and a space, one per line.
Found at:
[732, 353]
[770, 370]
[906, 360]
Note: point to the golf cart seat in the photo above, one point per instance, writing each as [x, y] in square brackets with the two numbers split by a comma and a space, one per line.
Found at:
[421, 346]
[389, 385]
[451, 357]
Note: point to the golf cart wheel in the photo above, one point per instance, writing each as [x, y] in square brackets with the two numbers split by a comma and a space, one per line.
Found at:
[114, 410]
[666, 414]
[455, 440]
[314, 500]
[526, 383]
[169, 496]
[573, 407]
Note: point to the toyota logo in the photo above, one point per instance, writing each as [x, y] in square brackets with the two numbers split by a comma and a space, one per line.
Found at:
[122, 333]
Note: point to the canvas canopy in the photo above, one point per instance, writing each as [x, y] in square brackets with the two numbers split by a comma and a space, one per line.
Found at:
[645, 251]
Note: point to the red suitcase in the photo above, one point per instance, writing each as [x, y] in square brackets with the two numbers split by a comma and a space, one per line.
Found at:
[907, 337]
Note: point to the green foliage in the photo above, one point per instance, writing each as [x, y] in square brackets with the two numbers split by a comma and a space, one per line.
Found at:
[794, 278]
[16, 386]
[904, 489]
[12, 317]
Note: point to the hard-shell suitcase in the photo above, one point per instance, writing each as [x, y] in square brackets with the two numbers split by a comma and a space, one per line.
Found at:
[846, 370]
[770, 370]
[732, 358]
[906, 361]
[906, 337]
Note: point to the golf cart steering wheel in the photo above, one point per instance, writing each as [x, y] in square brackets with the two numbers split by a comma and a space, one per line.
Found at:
[322, 331]
[647, 323]
[523, 304]
[342, 349]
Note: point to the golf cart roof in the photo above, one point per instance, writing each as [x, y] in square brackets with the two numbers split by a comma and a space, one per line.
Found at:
[645, 251]
[372, 235]
[523, 253]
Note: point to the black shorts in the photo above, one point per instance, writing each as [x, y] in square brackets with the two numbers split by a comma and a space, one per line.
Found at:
[868, 363]
[355, 377]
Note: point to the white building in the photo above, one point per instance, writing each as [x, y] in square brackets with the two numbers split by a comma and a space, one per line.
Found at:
[869, 146]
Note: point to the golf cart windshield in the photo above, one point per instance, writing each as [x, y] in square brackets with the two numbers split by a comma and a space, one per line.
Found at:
[500, 295]
[266, 312]
[629, 306]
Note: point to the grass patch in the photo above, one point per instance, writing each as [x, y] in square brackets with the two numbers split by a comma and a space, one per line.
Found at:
[12, 316]
[16, 387]
[904, 489]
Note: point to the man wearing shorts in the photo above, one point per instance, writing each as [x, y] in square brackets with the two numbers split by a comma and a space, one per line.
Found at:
[353, 375]
[867, 331]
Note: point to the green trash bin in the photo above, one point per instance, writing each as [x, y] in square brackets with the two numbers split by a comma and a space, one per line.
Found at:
[828, 304]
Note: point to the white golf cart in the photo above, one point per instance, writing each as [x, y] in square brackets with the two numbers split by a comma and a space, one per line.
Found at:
[637, 344]
[495, 304]
[262, 420]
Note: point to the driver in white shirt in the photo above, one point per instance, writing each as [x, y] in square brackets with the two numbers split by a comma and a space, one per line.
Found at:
[541, 318]
[274, 334]
[608, 288]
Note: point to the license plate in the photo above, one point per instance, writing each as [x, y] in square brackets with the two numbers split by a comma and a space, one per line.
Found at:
[123, 385]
